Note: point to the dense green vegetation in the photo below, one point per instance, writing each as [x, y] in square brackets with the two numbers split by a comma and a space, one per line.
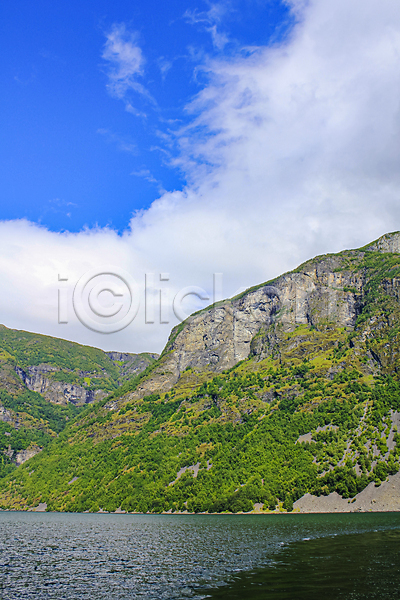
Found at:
[31, 420]
[247, 423]
[37, 407]
[31, 349]
[36, 423]
[313, 410]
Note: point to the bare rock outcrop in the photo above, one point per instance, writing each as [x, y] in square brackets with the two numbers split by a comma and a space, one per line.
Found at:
[22, 456]
[37, 379]
[6, 416]
[390, 242]
[386, 497]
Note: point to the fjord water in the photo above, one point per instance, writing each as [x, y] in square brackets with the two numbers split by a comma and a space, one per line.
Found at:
[364, 566]
[99, 556]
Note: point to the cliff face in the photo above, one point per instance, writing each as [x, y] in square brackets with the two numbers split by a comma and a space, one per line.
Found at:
[130, 365]
[221, 337]
[330, 290]
[6, 416]
[18, 458]
[39, 379]
[390, 242]
[36, 379]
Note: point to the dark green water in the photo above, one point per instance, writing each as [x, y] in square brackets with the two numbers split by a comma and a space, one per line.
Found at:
[364, 566]
[120, 557]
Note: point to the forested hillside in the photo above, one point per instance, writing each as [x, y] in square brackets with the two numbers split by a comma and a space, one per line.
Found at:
[45, 382]
[293, 387]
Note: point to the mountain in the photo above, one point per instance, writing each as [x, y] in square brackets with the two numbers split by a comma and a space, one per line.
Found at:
[288, 391]
[46, 381]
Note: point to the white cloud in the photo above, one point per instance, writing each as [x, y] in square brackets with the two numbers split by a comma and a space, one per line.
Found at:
[125, 64]
[122, 143]
[164, 66]
[211, 20]
[146, 174]
[293, 151]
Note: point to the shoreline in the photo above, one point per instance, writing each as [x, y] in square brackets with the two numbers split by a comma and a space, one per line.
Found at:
[383, 498]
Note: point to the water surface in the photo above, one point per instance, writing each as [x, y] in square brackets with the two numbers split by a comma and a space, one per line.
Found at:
[99, 556]
[365, 566]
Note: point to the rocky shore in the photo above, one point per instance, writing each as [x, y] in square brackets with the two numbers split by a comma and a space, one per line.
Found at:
[385, 498]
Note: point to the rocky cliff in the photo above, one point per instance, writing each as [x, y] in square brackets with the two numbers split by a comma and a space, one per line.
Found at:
[61, 371]
[37, 379]
[18, 458]
[329, 290]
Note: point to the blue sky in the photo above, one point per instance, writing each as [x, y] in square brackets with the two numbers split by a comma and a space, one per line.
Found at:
[72, 156]
[237, 137]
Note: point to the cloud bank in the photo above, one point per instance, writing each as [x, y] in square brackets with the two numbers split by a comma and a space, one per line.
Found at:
[292, 151]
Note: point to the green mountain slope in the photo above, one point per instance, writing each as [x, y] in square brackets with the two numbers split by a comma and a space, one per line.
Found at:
[66, 372]
[293, 387]
[45, 381]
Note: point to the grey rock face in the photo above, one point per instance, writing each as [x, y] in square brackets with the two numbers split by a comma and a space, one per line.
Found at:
[320, 292]
[39, 379]
[131, 365]
[23, 455]
[390, 242]
[36, 379]
[6, 416]
[217, 339]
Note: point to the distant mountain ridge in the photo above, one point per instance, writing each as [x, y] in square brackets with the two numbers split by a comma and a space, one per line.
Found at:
[44, 381]
[290, 389]
[65, 371]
